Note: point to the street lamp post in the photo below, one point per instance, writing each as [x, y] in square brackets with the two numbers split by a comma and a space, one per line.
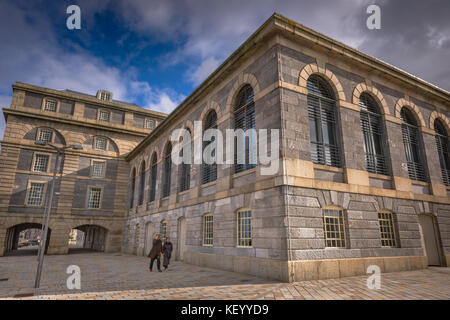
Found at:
[44, 232]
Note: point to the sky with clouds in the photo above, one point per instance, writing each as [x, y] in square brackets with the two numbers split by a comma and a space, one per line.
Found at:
[155, 53]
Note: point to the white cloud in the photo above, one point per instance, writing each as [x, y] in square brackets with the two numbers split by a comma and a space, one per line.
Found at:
[204, 70]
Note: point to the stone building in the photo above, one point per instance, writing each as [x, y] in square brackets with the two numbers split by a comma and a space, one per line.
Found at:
[364, 165]
[363, 175]
[90, 191]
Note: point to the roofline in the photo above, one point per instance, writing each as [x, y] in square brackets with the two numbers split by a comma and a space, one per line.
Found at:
[283, 24]
[81, 97]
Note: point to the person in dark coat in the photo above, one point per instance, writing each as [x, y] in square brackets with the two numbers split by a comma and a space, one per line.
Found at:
[155, 253]
[167, 252]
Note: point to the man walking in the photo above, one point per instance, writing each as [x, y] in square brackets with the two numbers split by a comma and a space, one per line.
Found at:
[155, 253]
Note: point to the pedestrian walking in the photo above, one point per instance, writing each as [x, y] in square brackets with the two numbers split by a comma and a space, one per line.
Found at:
[167, 252]
[155, 253]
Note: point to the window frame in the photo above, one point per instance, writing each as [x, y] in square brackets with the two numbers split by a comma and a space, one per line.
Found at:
[440, 137]
[376, 163]
[341, 235]
[167, 172]
[95, 143]
[149, 120]
[392, 233]
[161, 224]
[44, 193]
[35, 154]
[153, 172]
[105, 111]
[92, 168]
[246, 110]
[317, 114]
[44, 104]
[239, 238]
[208, 230]
[417, 171]
[39, 131]
[89, 188]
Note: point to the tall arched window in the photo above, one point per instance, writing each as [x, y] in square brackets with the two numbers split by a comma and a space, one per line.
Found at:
[167, 170]
[185, 177]
[372, 128]
[413, 146]
[323, 124]
[244, 118]
[209, 171]
[443, 147]
[152, 177]
[132, 187]
[141, 184]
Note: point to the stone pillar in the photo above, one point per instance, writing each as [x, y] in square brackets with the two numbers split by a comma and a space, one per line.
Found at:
[431, 156]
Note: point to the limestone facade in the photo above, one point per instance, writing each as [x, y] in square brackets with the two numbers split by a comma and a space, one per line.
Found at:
[288, 237]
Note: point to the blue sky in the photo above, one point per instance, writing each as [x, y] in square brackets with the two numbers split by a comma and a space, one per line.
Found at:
[155, 53]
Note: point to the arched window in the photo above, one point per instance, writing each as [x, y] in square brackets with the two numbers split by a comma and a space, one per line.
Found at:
[372, 128]
[152, 177]
[132, 187]
[244, 118]
[244, 228]
[388, 234]
[443, 147]
[413, 146]
[323, 124]
[167, 170]
[334, 227]
[141, 184]
[208, 229]
[209, 171]
[185, 177]
[163, 230]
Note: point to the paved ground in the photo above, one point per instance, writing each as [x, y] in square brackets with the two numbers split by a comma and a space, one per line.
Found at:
[120, 276]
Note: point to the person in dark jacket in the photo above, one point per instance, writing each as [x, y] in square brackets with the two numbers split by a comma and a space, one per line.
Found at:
[167, 252]
[155, 253]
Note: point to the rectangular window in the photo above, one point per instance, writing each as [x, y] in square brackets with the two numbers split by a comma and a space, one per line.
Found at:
[100, 143]
[244, 228]
[334, 228]
[208, 230]
[50, 105]
[94, 197]
[387, 231]
[35, 194]
[40, 163]
[149, 124]
[98, 169]
[103, 115]
[45, 135]
[162, 230]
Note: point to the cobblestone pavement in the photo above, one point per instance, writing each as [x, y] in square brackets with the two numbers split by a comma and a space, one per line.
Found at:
[120, 276]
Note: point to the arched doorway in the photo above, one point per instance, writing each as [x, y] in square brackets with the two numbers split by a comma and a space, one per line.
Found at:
[88, 238]
[181, 238]
[148, 238]
[430, 239]
[24, 239]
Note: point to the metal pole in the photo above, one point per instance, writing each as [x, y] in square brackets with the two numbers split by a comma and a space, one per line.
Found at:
[43, 243]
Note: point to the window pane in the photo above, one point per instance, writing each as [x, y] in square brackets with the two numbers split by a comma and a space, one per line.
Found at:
[36, 194]
[100, 143]
[98, 169]
[94, 198]
[41, 163]
[50, 105]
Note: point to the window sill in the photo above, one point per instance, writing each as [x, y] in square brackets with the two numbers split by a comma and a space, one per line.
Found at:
[379, 176]
[244, 173]
[327, 168]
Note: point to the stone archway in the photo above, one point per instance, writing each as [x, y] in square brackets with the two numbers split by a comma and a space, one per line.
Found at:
[13, 241]
[94, 238]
